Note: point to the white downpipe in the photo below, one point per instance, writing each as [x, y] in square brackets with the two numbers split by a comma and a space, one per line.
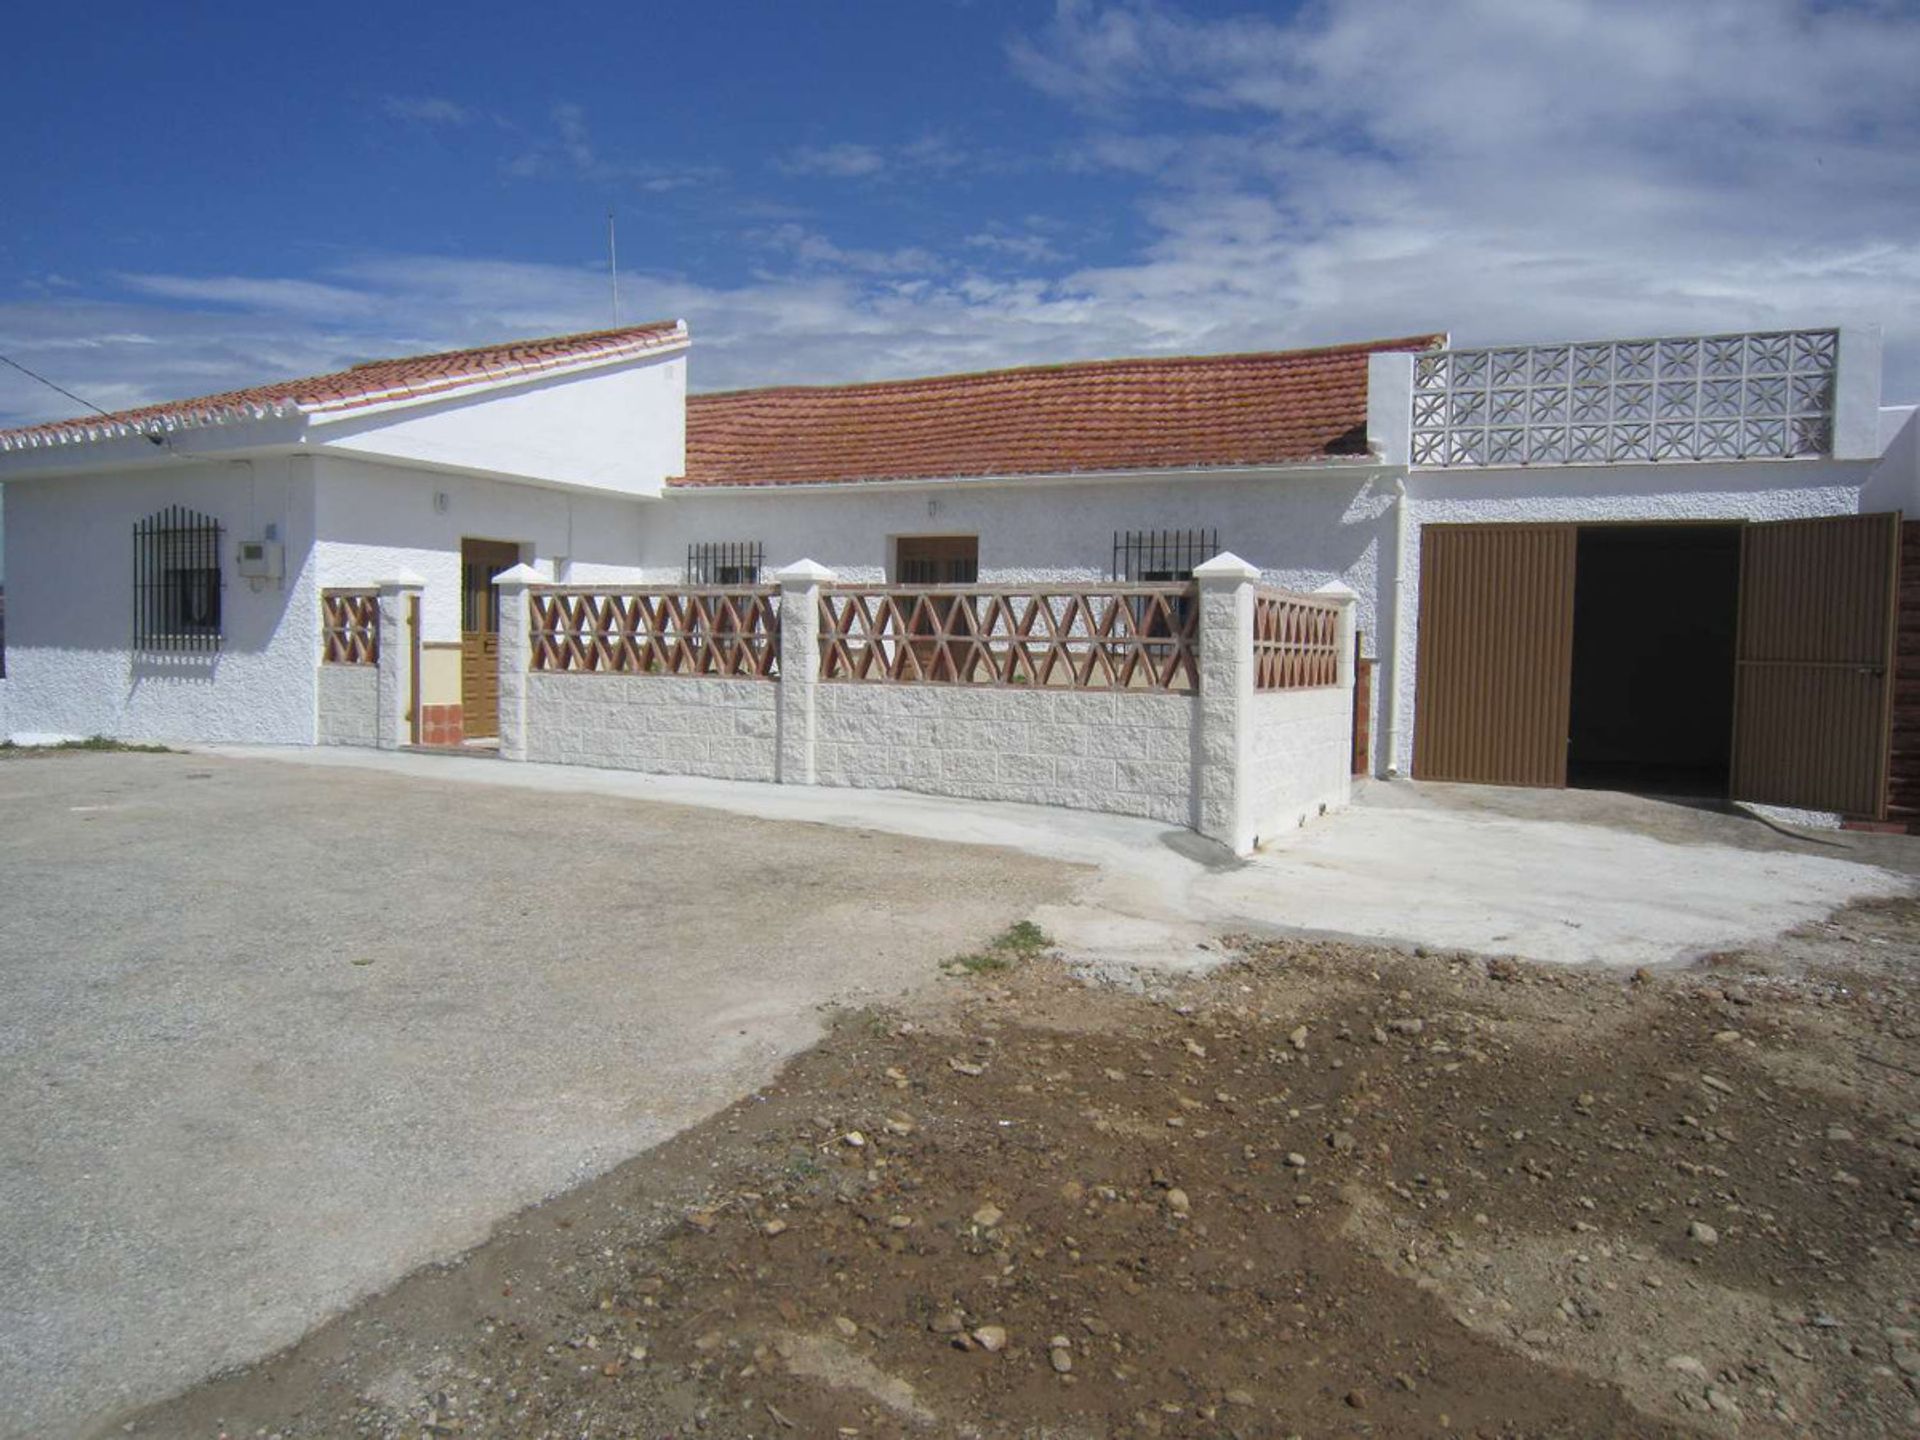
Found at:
[1389, 758]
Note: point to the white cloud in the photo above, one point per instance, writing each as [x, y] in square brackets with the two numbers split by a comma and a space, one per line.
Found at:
[848, 160]
[427, 110]
[568, 149]
[1032, 249]
[292, 297]
[843, 161]
[1506, 171]
[813, 250]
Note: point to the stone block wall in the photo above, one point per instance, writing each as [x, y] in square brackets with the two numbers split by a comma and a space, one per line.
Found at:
[1124, 752]
[1300, 761]
[664, 724]
[1236, 766]
[349, 712]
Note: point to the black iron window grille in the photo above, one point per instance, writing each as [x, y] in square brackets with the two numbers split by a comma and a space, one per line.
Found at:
[176, 581]
[724, 563]
[1146, 557]
[1152, 557]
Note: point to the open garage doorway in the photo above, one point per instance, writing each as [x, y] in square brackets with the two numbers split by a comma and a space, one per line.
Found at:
[1749, 660]
[1655, 618]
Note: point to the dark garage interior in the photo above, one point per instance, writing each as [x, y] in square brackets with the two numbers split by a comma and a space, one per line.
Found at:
[1654, 615]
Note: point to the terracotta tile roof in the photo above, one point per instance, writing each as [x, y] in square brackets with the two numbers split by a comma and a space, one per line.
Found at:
[373, 383]
[1206, 410]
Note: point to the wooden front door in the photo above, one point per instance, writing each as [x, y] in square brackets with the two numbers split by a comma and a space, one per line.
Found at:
[1813, 676]
[480, 561]
[936, 560]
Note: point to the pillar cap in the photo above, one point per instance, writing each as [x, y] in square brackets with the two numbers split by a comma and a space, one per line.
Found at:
[401, 580]
[1224, 567]
[520, 575]
[804, 572]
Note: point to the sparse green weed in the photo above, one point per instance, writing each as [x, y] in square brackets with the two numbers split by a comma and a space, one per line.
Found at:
[1018, 942]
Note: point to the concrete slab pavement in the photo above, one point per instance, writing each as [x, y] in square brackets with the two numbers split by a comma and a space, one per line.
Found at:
[1565, 877]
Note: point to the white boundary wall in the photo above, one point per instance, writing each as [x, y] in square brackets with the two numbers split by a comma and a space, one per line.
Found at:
[1300, 757]
[663, 724]
[349, 705]
[1237, 766]
[1125, 753]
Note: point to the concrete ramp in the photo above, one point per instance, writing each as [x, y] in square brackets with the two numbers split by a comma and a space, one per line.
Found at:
[1548, 890]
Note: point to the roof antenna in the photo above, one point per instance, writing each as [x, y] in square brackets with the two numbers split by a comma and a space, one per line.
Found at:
[613, 269]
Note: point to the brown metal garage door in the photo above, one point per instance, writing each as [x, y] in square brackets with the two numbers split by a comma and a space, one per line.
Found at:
[1813, 683]
[1496, 653]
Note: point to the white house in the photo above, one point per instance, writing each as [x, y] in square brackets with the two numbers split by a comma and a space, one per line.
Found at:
[547, 448]
[1668, 562]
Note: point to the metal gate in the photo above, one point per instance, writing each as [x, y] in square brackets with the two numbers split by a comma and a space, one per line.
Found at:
[1496, 653]
[1813, 679]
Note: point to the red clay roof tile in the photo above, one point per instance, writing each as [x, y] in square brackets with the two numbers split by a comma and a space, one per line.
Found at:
[371, 383]
[1180, 413]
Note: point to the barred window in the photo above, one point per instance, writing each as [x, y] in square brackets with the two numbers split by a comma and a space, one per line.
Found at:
[1152, 557]
[724, 562]
[1145, 557]
[176, 581]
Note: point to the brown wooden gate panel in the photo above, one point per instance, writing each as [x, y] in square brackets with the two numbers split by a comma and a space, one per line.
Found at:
[1813, 687]
[1496, 653]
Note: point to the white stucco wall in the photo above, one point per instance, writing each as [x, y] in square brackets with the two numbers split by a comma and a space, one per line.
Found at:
[1301, 530]
[1126, 753]
[69, 566]
[349, 699]
[1301, 756]
[1894, 481]
[620, 429]
[664, 724]
[376, 520]
[1757, 490]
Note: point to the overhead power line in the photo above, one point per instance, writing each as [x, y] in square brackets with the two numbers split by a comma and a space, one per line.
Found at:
[77, 399]
[35, 375]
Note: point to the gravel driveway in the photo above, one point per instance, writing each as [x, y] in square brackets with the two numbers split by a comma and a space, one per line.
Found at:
[271, 1036]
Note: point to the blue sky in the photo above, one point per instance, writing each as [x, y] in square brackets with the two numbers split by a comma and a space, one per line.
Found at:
[198, 197]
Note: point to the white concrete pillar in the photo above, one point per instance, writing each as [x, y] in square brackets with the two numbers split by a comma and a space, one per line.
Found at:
[1856, 394]
[1390, 407]
[392, 726]
[1223, 750]
[1349, 662]
[800, 585]
[516, 656]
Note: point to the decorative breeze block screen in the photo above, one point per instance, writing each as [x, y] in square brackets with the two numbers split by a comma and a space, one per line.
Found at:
[1714, 397]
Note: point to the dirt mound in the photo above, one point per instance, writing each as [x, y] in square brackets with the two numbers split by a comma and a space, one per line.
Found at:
[1326, 1190]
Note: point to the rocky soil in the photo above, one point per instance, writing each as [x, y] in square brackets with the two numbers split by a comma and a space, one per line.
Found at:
[1323, 1190]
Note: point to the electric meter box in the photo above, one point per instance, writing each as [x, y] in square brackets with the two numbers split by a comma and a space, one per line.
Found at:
[261, 560]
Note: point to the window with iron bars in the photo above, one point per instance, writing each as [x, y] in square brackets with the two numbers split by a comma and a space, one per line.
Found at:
[1156, 557]
[724, 563]
[1148, 557]
[176, 581]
